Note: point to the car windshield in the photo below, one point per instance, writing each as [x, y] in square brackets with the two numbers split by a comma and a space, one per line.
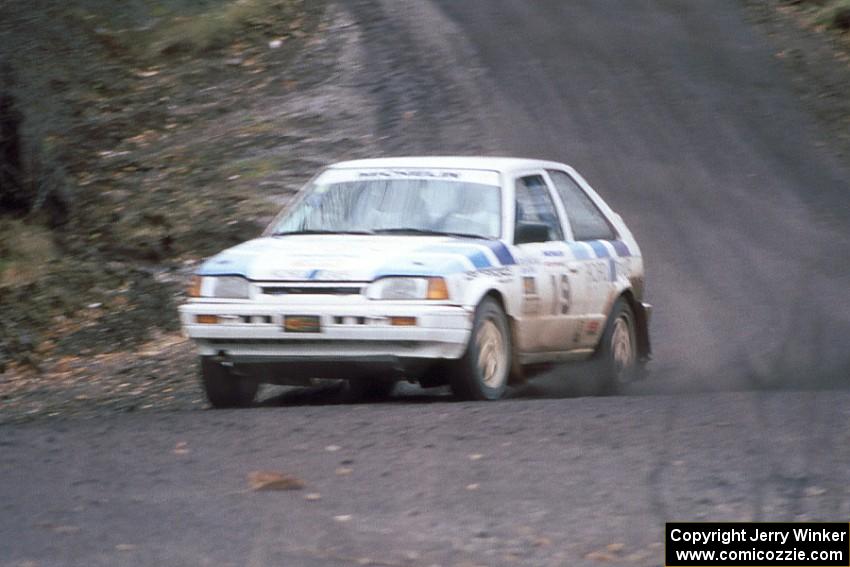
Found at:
[466, 203]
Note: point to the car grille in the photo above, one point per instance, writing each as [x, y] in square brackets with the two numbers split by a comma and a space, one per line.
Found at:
[311, 290]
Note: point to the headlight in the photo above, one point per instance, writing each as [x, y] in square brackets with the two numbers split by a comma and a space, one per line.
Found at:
[225, 287]
[230, 287]
[408, 288]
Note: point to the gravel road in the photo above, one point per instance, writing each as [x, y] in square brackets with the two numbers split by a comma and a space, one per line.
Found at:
[527, 482]
[683, 118]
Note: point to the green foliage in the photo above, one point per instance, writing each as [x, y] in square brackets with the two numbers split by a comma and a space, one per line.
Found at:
[229, 21]
[127, 152]
[836, 15]
[25, 251]
[833, 14]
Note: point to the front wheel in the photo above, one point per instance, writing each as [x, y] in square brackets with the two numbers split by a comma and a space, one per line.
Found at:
[482, 373]
[617, 357]
[224, 388]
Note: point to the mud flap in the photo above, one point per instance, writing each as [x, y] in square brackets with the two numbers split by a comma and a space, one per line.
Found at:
[643, 314]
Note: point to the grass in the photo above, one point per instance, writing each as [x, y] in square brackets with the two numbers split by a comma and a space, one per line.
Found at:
[254, 167]
[835, 15]
[228, 22]
[25, 252]
[832, 14]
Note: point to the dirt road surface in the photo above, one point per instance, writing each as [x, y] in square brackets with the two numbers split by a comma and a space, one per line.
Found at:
[683, 118]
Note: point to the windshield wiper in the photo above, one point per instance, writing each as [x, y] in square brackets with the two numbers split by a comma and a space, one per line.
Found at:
[314, 231]
[425, 231]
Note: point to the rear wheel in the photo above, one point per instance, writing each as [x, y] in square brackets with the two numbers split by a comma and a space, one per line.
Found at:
[617, 357]
[482, 373]
[224, 388]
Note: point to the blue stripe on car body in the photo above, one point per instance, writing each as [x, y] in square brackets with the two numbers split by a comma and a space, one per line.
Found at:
[622, 248]
[475, 255]
[479, 260]
[446, 267]
[227, 265]
[579, 251]
[600, 249]
[503, 254]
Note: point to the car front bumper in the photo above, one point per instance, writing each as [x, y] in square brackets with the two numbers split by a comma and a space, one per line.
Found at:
[253, 332]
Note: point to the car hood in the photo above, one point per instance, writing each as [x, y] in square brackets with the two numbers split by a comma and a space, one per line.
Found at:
[355, 257]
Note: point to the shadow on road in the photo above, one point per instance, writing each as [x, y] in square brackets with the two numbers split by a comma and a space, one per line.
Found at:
[335, 394]
[563, 383]
[572, 383]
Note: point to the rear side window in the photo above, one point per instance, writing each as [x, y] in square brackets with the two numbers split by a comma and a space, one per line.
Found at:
[534, 205]
[586, 219]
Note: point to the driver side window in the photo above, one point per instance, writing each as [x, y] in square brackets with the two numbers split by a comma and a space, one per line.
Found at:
[535, 210]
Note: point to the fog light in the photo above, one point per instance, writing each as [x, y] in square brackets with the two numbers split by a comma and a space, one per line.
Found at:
[207, 319]
[403, 321]
[437, 288]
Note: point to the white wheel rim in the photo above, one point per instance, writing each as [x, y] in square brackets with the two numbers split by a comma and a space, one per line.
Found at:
[621, 346]
[492, 359]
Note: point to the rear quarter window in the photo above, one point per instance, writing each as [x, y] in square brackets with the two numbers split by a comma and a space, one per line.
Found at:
[586, 219]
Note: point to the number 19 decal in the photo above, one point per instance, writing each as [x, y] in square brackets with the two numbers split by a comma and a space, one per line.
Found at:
[561, 305]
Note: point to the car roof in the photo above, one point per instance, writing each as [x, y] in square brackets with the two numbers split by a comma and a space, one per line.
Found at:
[500, 164]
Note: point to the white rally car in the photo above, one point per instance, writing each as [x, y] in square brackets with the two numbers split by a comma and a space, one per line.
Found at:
[472, 272]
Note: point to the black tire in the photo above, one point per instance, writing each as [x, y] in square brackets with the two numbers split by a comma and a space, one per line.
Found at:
[613, 367]
[224, 388]
[467, 375]
[367, 390]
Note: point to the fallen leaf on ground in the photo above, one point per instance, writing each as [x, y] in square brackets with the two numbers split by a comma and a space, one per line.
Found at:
[343, 471]
[313, 496]
[66, 529]
[270, 480]
[600, 556]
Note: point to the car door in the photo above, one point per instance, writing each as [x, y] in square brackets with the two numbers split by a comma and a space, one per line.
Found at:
[543, 323]
[595, 251]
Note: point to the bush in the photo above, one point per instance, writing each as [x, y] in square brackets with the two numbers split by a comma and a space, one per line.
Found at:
[14, 197]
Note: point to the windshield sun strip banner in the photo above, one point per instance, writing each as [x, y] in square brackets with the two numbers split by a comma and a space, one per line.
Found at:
[478, 176]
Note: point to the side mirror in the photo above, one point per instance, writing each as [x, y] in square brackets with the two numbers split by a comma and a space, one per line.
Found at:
[529, 232]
